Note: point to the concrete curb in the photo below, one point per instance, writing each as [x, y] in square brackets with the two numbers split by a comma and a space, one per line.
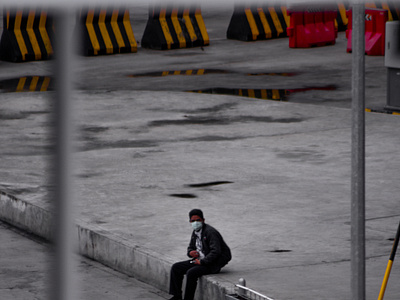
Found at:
[111, 250]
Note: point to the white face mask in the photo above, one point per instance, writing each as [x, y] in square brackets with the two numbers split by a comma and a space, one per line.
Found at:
[196, 225]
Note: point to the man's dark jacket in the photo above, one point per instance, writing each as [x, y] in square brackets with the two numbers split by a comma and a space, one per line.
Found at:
[216, 251]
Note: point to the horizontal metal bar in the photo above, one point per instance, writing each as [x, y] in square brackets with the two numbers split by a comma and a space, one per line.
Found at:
[254, 292]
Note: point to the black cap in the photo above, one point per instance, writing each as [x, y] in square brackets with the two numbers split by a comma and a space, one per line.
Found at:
[196, 212]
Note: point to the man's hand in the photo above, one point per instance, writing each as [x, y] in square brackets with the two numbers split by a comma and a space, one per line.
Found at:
[194, 254]
[197, 262]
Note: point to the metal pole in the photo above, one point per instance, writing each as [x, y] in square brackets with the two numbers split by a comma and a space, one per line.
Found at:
[358, 154]
[63, 268]
[389, 265]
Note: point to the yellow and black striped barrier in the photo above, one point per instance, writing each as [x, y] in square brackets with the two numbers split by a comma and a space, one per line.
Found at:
[393, 8]
[258, 23]
[26, 84]
[106, 31]
[27, 35]
[173, 28]
[341, 19]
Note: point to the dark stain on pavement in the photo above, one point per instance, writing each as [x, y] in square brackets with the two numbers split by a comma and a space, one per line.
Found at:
[212, 183]
[280, 251]
[187, 196]
[301, 155]
[13, 115]
[216, 108]
[101, 145]
[222, 120]
[214, 138]
[94, 129]
[211, 109]
[194, 72]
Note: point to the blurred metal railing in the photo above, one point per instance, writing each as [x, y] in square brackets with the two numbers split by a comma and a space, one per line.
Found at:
[244, 293]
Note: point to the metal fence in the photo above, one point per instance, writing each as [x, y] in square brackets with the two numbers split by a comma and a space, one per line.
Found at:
[244, 293]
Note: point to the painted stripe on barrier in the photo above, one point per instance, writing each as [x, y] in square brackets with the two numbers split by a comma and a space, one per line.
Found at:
[252, 23]
[178, 28]
[104, 32]
[32, 36]
[92, 34]
[115, 28]
[189, 25]
[18, 35]
[285, 15]
[267, 29]
[44, 34]
[165, 29]
[276, 21]
[202, 27]
[129, 31]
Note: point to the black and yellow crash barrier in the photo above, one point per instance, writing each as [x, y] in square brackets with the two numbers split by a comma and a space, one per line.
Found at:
[173, 28]
[26, 84]
[106, 31]
[389, 265]
[393, 8]
[253, 23]
[341, 19]
[27, 35]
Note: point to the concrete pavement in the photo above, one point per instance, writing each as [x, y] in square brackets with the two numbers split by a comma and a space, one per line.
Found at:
[284, 208]
[285, 212]
[26, 273]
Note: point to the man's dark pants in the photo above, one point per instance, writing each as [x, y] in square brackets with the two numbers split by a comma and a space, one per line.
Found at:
[193, 272]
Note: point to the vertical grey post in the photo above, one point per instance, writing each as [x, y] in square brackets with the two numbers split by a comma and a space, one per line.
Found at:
[63, 268]
[358, 154]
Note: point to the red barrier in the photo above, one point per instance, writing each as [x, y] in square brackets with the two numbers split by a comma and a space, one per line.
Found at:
[375, 22]
[310, 29]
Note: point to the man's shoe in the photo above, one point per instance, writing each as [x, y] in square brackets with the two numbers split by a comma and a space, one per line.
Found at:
[175, 298]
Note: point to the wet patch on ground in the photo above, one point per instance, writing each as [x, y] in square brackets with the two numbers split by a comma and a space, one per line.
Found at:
[186, 196]
[266, 94]
[15, 115]
[93, 129]
[211, 109]
[214, 138]
[195, 72]
[206, 184]
[222, 120]
[101, 145]
[301, 155]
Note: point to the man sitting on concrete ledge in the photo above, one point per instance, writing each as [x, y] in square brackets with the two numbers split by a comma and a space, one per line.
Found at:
[208, 253]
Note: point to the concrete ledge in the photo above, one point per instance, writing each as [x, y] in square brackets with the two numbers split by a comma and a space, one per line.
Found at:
[26, 216]
[113, 251]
